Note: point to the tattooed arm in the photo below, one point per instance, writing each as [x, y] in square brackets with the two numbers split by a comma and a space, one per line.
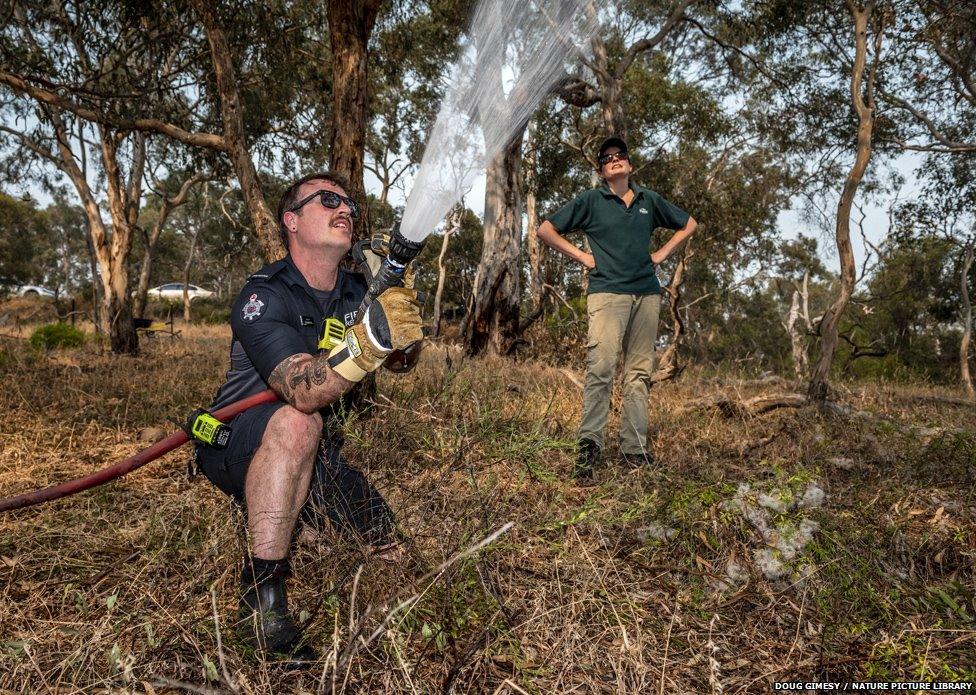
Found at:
[307, 382]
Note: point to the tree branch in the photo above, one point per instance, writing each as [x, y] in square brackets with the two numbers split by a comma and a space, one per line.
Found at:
[677, 14]
[206, 140]
[577, 92]
[948, 144]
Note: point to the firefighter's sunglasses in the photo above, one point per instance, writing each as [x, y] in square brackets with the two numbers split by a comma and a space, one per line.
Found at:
[331, 200]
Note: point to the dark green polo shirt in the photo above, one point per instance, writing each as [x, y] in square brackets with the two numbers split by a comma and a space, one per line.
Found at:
[620, 237]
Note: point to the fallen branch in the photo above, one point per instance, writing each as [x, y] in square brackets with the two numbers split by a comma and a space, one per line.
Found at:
[944, 400]
[572, 377]
[759, 405]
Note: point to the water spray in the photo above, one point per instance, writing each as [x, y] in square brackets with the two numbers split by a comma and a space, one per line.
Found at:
[515, 53]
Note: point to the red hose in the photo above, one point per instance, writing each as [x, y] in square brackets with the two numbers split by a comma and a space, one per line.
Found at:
[177, 439]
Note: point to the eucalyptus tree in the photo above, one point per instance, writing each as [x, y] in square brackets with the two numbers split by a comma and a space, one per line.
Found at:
[627, 34]
[95, 52]
[868, 22]
[819, 66]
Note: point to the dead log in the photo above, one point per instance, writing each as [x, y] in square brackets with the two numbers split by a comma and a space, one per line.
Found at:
[750, 407]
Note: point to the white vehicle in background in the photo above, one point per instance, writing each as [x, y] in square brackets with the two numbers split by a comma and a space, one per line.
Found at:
[8, 288]
[173, 292]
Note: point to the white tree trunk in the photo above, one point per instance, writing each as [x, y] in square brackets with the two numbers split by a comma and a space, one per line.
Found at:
[967, 325]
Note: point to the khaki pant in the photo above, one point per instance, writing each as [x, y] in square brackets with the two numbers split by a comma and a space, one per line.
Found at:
[619, 321]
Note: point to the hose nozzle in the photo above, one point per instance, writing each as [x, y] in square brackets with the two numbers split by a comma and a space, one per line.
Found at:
[401, 252]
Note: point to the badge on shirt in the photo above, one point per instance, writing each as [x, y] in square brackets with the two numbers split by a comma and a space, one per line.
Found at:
[644, 211]
[252, 310]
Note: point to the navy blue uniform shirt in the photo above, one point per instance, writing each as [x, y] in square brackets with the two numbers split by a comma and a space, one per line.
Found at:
[278, 315]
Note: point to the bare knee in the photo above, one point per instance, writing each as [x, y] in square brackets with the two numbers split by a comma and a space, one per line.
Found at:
[295, 431]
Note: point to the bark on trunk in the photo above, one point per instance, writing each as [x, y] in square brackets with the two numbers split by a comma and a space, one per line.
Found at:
[186, 274]
[864, 105]
[967, 325]
[453, 226]
[235, 142]
[95, 281]
[534, 247]
[797, 340]
[492, 320]
[350, 25]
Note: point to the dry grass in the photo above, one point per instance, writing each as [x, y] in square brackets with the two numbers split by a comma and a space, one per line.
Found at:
[619, 588]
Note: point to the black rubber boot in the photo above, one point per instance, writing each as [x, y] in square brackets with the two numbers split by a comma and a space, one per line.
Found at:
[587, 457]
[635, 461]
[264, 612]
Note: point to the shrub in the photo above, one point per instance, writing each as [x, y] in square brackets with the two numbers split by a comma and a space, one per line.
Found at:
[211, 311]
[57, 335]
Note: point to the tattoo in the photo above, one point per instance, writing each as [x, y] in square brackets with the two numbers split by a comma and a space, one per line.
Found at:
[278, 380]
[299, 378]
[309, 374]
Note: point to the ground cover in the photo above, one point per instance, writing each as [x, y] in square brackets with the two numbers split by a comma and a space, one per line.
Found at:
[766, 544]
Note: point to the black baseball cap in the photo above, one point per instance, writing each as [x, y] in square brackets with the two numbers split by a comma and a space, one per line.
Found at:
[612, 141]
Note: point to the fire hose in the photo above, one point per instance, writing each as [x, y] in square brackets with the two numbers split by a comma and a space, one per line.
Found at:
[388, 273]
[163, 446]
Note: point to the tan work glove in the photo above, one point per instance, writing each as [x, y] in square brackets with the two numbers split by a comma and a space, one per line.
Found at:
[392, 322]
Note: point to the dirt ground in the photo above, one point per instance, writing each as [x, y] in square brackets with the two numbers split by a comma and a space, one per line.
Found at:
[769, 542]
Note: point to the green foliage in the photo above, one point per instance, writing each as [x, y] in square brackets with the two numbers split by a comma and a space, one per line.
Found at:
[57, 335]
[22, 228]
[464, 250]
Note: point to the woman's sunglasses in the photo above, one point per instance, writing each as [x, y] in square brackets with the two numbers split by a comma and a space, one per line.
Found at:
[331, 200]
[613, 157]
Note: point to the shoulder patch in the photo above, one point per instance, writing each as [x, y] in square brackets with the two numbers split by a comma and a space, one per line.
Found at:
[253, 308]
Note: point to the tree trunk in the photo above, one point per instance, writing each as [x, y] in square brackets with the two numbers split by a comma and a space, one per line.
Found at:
[114, 317]
[534, 247]
[453, 226]
[492, 320]
[150, 238]
[668, 366]
[124, 199]
[350, 25]
[818, 387]
[232, 114]
[797, 340]
[186, 274]
[967, 325]
[96, 295]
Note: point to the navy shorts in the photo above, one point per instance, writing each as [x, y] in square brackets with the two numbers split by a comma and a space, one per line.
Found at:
[338, 492]
[227, 468]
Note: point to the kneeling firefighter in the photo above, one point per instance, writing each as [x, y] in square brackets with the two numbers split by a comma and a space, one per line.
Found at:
[296, 329]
